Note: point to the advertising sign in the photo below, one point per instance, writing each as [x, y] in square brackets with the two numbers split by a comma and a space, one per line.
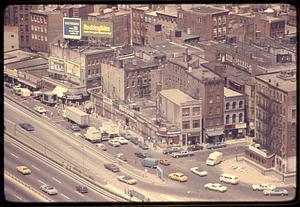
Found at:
[97, 29]
[57, 65]
[73, 69]
[72, 28]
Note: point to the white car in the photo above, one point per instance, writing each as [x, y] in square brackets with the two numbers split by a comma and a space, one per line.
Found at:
[40, 109]
[114, 143]
[127, 179]
[49, 189]
[122, 140]
[263, 186]
[197, 172]
[216, 187]
[101, 146]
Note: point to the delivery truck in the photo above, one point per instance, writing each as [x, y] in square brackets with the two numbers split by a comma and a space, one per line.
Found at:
[77, 116]
[25, 92]
[93, 135]
[214, 158]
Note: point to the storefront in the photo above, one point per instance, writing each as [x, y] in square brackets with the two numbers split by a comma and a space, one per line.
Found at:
[214, 135]
[168, 137]
[234, 131]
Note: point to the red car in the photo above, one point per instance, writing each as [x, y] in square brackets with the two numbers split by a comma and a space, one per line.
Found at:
[164, 162]
[112, 167]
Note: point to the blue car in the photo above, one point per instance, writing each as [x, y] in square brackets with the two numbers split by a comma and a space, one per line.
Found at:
[276, 192]
[215, 145]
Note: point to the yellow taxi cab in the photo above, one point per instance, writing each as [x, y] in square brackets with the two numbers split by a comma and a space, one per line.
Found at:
[40, 109]
[24, 170]
[178, 177]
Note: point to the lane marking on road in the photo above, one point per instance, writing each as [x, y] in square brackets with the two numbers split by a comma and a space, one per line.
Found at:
[14, 155]
[79, 193]
[65, 196]
[6, 140]
[41, 182]
[35, 168]
[18, 197]
[56, 180]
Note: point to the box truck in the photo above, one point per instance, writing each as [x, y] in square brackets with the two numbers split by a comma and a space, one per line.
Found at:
[93, 135]
[79, 117]
[214, 158]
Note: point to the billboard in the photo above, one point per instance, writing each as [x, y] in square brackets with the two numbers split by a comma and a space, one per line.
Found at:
[56, 64]
[73, 69]
[72, 28]
[96, 29]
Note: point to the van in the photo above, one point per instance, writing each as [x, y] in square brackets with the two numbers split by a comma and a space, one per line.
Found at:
[150, 162]
[214, 158]
[231, 179]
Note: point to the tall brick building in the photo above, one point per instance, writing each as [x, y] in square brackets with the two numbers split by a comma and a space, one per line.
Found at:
[205, 21]
[18, 15]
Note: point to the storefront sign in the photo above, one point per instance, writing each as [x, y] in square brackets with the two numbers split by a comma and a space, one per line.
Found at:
[214, 129]
[230, 126]
[56, 64]
[240, 126]
[73, 96]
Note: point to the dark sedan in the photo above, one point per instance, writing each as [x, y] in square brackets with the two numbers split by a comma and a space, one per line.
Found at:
[216, 145]
[112, 167]
[143, 146]
[27, 126]
[142, 154]
[81, 189]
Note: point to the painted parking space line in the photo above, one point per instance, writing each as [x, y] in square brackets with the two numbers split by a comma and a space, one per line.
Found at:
[41, 182]
[65, 196]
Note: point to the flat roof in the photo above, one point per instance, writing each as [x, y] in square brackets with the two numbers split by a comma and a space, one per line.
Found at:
[277, 82]
[207, 10]
[168, 13]
[176, 96]
[231, 93]
[204, 74]
[136, 63]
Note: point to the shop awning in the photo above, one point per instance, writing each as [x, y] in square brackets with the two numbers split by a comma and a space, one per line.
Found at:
[214, 133]
[59, 91]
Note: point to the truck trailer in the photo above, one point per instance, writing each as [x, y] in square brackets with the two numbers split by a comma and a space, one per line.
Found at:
[77, 116]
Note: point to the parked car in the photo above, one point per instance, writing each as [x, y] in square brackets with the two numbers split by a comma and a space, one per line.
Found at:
[126, 136]
[195, 147]
[263, 186]
[215, 145]
[74, 127]
[77, 134]
[9, 85]
[143, 146]
[101, 146]
[142, 154]
[40, 109]
[24, 170]
[121, 140]
[121, 157]
[114, 143]
[81, 189]
[127, 179]
[171, 150]
[27, 126]
[276, 192]
[112, 167]
[135, 140]
[196, 171]
[50, 190]
[215, 187]
[164, 162]
[178, 177]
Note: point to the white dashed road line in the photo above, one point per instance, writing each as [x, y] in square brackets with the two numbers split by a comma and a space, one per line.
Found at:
[56, 180]
[14, 155]
[41, 182]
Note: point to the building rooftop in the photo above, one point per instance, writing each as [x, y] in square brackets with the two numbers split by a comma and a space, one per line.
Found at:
[143, 8]
[231, 93]
[136, 63]
[45, 12]
[176, 96]
[168, 13]
[271, 19]
[17, 55]
[204, 74]
[28, 64]
[152, 13]
[285, 80]
[207, 10]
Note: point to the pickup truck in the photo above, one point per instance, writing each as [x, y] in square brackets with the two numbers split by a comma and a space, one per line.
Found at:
[215, 145]
[182, 154]
[171, 150]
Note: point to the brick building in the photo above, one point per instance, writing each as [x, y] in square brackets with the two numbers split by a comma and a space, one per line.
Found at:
[292, 16]
[128, 79]
[276, 117]
[46, 26]
[19, 15]
[235, 126]
[269, 26]
[181, 73]
[11, 38]
[205, 21]
[77, 11]
[120, 20]
[138, 24]
[184, 112]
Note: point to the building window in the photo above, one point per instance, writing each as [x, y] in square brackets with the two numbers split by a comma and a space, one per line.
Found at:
[227, 119]
[241, 104]
[185, 124]
[218, 110]
[240, 118]
[234, 105]
[210, 110]
[185, 111]
[132, 83]
[218, 99]
[196, 110]
[233, 118]
[293, 113]
[12, 35]
[227, 105]
[196, 123]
